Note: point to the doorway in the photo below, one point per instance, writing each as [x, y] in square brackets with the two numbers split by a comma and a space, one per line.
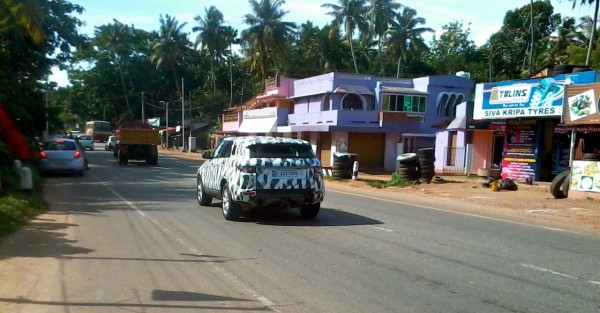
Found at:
[498, 149]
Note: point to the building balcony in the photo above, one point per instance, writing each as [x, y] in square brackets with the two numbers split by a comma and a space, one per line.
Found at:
[336, 118]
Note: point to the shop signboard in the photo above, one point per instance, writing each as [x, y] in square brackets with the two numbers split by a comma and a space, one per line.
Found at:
[539, 97]
[582, 105]
[520, 149]
[585, 176]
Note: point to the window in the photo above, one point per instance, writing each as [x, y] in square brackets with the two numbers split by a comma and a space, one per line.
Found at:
[353, 102]
[59, 145]
[447, 103]
[403, 103]
[325, 105]
[224, 149]
[281, 151]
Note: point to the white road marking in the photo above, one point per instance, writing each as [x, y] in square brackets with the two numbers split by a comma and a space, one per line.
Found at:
[456, 212]
[381, 228]
[541, 269]
[264, 300]
[594, 282]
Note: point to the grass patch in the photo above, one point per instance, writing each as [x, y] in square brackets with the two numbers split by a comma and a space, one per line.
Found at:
[394, 182]
[18, 206]
[17, 209]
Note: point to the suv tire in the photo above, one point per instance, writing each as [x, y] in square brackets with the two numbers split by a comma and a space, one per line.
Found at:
[203, 198]
[231, 210]
[310, 210]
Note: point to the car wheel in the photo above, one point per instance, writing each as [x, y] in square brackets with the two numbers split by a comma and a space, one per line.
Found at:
[310, 210]
[203, 198]
[231, 210]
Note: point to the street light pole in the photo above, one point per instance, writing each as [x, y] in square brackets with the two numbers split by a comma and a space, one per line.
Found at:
[182, 116]
[143, 117]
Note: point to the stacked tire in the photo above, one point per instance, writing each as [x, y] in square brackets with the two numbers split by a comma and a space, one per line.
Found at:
[342, 165]
[408, 164]
[426, 158]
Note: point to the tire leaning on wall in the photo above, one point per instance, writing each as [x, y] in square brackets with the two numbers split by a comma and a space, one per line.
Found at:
[559, 188]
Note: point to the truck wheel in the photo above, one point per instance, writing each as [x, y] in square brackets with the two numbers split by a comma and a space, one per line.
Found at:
[231, 210]
[310, 210]
[203, 198]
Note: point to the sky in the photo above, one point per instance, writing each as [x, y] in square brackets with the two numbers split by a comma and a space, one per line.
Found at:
[484, 17]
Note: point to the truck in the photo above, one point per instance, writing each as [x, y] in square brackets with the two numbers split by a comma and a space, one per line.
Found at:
[136, 141]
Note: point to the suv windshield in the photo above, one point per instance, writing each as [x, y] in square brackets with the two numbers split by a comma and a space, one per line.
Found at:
[284, 150]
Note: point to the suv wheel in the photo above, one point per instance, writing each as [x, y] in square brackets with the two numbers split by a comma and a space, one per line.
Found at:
[231, 210]
[203, 198]
[310, 210]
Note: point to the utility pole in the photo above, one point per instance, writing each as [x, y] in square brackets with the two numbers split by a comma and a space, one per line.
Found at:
[592, 35]
[531, 55]
[182, 116]
[143, 117]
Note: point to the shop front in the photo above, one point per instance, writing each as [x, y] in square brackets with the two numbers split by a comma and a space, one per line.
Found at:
[533, 146]
[581, 113]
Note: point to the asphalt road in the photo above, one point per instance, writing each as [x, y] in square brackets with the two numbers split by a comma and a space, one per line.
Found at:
[134, 239]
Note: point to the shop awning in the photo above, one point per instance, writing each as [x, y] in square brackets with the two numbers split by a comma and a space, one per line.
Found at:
[259, 125]
[402, 90]
[459, 122]
[360, 90]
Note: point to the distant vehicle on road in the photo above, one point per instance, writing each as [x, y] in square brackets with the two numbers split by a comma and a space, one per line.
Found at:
[255, 172]
[62, 155]
[86, 141]
[110, 143]
[136, 141]
[99, 130]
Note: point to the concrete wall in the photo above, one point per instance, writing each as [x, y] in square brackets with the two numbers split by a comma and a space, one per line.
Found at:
[442, 141]
[389, 158]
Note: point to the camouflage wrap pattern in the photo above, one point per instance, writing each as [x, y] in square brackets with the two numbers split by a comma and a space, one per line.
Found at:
[214, 171]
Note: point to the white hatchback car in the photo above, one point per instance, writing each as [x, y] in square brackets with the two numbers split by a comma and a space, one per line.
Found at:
[62, 155]
[86, 141]
[256, 172]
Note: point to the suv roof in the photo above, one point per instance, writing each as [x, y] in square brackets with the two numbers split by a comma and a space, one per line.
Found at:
[253, 140]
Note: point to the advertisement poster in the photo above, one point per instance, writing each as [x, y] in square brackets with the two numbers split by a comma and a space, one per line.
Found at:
[519, 158]
[526, 98]
[582, 105]
[585, 176]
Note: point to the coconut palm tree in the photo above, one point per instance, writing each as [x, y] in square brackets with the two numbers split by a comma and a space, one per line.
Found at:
[381, 15]
[566, 35]
[352, 14]
[406, 37]
[170, 47]
[211, 37]
[592, 35]
[28, 14]
[115, 38]
[267, 34]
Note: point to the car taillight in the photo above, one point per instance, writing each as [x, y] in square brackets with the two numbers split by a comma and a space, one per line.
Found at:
[43, 154]
[77, 154]
[318, 169]
[247, 169]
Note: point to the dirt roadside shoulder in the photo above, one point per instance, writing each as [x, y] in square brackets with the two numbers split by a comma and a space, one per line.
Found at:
[529, 204]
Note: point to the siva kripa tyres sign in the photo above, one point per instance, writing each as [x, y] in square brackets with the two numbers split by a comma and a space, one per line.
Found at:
[525, 98]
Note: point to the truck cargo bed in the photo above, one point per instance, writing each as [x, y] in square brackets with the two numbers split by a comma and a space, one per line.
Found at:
[127, 136]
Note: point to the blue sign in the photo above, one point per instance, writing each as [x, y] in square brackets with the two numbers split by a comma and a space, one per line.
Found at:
[526, 98]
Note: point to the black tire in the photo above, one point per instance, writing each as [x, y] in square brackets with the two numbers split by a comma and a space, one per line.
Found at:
[310, 210]
[590, 157]
[407, 157]
[203, 198]
[557, 187]
[231, 210]
[338, 163]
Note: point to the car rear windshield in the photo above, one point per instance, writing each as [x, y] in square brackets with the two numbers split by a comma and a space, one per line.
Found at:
[59, 145]
[85, 137]
[281, 150]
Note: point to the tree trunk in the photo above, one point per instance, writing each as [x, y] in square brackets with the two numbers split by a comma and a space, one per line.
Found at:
[122, 78]
[349, 35]
[591, 44]
[212, 73]
[175, 77]
[263, 62]
[382, 71]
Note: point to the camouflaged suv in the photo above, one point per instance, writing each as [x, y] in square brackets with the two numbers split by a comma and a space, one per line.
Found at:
[256, 172]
